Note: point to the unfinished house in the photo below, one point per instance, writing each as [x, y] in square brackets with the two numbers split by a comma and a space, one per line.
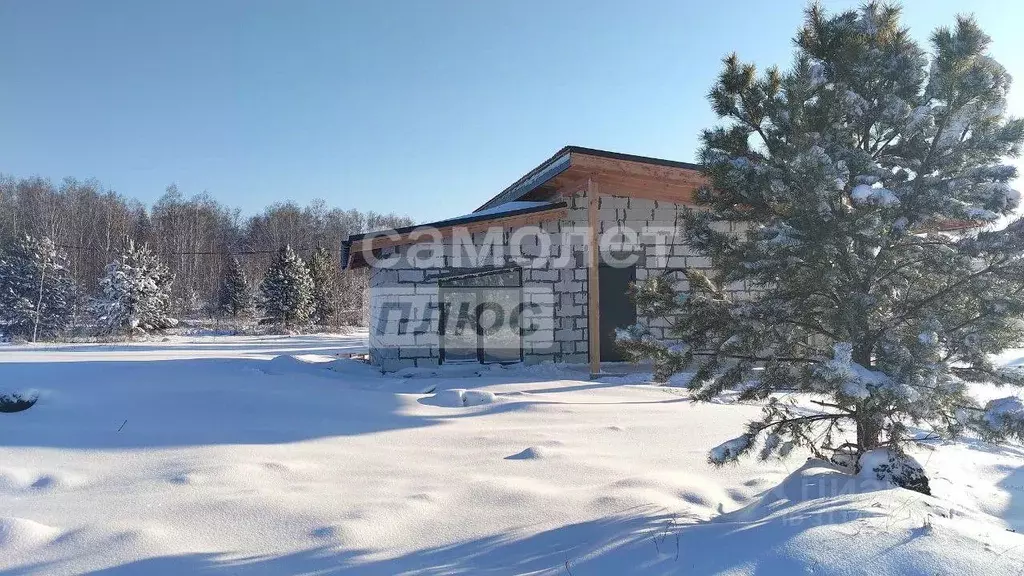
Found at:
[516, 280]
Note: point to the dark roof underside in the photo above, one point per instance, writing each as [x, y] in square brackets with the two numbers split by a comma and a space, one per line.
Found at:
[346, 244]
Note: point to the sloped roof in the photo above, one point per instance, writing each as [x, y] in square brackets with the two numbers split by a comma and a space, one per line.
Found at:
[562, 161]
[539, 190]
[498, 213]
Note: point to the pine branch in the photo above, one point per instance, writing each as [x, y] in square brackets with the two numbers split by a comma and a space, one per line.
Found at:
[831, 405]
[928, 300]
[751, 358]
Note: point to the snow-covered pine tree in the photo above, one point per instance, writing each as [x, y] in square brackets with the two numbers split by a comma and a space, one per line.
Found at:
[235, 298]
[842, 180]
[136, 295]
[324, 272]
[36, 290]
[286, 293]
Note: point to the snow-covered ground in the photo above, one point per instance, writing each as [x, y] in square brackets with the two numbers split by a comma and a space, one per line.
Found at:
[268, 455]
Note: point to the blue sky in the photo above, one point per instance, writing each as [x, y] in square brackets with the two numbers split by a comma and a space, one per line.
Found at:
[426, 108]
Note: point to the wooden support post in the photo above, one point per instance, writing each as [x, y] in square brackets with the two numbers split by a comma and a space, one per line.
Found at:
[593, 294]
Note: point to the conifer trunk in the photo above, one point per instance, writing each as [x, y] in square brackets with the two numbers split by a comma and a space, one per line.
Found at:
[869, 432]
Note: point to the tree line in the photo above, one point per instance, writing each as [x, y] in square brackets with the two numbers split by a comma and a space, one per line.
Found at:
[202, 244]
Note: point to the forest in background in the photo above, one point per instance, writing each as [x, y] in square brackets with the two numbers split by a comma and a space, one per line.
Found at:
[195, 237]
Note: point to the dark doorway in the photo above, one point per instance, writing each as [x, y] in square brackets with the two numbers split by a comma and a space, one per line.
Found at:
[616, 307]
[479, 319]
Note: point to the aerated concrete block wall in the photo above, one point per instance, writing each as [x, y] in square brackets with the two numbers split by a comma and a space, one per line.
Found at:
[558, 282]
[653, 255]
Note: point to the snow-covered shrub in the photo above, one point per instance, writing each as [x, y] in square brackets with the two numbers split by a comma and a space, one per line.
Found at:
[897, 468]
[1002, 417]
[845, 174]
[17, 401]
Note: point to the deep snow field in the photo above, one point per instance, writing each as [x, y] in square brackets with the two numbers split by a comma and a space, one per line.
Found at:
[268, 455]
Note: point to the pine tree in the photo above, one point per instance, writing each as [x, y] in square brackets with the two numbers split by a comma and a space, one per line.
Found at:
[324, 272]
[235, 297]
[136, 293]
[842, 181]
[36, 290]
[286, 293]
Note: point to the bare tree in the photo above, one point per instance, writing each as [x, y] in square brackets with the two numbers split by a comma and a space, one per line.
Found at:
[191, 235]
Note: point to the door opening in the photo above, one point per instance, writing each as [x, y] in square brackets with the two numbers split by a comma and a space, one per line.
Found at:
[616, 308]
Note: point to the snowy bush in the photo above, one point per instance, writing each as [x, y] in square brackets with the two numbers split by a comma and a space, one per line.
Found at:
[896, 468]
[17, 401]
[846, 173]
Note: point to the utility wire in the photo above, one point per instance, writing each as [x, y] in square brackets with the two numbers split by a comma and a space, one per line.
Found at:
[214, 253]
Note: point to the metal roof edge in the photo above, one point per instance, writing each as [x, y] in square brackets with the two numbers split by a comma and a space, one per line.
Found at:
[468, 219]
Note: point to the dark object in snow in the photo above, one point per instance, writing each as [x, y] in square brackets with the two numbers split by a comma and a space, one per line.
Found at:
[900, 469]
[17, 401]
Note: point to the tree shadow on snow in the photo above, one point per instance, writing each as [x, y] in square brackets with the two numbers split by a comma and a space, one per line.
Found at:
[637, 543]
[207, 401]
[1013, 484]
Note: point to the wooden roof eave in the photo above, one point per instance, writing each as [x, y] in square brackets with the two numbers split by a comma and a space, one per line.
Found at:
[428, 233]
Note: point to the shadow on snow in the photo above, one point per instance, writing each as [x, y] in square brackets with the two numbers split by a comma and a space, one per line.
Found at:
[168, 403]
[640, 542]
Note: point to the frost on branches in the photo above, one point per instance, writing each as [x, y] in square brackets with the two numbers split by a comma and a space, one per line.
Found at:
[868, 179]
[136, 293]
[36, 291]
[286, 293]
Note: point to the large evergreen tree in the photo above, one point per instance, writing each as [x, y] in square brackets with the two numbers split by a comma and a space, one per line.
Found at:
[136, 293]
[235, 298]
[286, 293]
[323, 270]
[36, 290]
[843, 179]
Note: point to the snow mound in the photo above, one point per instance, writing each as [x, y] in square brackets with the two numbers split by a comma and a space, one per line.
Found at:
[349, 367]
[839, 523]
[292, 364]
[23, 479]
[903, 471]
[56, 482]
[478, 397]
[19, 533]
[459, 397]
[531, 453]
[13, 479]
[814, 480]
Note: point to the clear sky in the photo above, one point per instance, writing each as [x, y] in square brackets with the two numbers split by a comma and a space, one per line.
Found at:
[422, 107]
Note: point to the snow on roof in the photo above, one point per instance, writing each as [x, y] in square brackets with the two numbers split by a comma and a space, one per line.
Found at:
[502, 208]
